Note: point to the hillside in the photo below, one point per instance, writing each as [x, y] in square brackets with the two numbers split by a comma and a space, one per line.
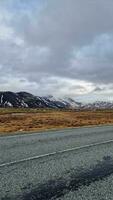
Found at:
[27, 100]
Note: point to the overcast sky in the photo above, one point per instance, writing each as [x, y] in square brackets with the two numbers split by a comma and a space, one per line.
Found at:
[57, 47]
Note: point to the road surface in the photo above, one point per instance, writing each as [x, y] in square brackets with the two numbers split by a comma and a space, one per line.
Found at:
[63, 165]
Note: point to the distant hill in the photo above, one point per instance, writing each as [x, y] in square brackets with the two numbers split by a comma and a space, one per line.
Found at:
[27, 100]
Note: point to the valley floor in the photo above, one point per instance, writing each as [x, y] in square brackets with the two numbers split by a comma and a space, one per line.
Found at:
[25, 120]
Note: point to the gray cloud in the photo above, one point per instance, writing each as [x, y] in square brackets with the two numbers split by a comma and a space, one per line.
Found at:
[69, 40]
[98, 89]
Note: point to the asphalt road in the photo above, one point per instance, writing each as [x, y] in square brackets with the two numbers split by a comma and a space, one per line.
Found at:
[63, 165]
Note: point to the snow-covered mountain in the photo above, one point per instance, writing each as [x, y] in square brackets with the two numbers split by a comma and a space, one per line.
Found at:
[27, 100]
[98, 105]
[68, 102]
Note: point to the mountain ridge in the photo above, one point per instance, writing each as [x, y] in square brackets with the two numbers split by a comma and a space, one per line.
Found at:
[28, 100]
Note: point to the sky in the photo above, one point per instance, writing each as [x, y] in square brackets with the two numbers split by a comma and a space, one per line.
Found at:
[62, 48]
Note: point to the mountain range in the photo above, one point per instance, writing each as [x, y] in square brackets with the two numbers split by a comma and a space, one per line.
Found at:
[27, 100]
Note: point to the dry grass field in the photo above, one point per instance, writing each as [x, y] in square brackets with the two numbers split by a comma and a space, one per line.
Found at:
[22, 120]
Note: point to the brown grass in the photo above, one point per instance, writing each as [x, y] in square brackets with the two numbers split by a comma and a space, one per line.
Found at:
[17, 120]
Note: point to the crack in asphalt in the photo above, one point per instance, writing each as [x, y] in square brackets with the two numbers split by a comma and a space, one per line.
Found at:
[57, 188]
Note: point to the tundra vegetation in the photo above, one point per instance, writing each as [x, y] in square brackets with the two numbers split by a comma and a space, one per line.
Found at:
[16, 120]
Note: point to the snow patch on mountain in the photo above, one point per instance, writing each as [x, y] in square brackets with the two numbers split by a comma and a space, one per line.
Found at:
[27, 100]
